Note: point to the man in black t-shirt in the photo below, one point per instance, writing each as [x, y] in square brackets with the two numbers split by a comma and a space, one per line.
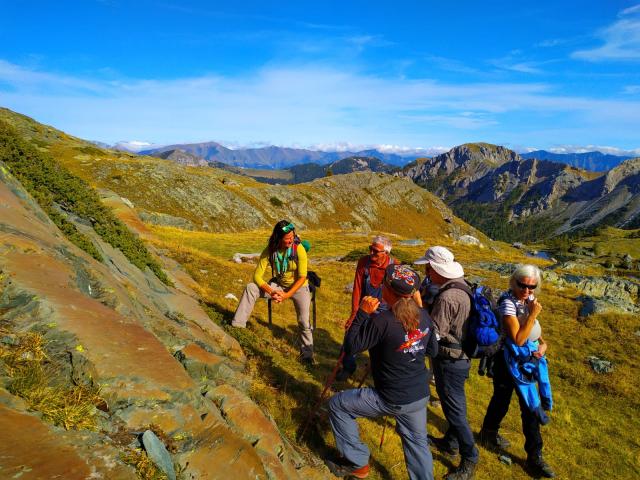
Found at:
[398, 341]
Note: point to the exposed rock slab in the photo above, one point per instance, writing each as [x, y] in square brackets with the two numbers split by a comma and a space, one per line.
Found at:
[31, 450]
[245, 416]
[115, 325]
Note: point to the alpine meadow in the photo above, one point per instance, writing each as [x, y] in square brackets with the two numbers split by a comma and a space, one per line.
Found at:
[300, 241]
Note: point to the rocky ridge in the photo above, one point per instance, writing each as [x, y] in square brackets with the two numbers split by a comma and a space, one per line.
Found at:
[149, 348]
[210, 198]
[492, 181]
[450, 173]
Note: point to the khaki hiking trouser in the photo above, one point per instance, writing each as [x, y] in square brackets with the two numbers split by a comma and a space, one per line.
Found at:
[301, 300]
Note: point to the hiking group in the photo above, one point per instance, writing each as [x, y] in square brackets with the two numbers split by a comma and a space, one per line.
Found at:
[402, 322]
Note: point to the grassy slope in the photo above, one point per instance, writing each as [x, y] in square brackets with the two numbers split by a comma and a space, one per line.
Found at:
[194, 191]
[614, 241]
[594, 421]
[56, 190]
[594, 429]
[266, 173]
[141, 179]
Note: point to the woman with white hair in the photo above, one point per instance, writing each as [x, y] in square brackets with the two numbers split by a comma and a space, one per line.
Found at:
[519, 309]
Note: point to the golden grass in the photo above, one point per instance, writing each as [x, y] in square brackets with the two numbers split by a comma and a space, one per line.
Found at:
[145, 468]
[594, 415]
[614, 241]
[34, 378]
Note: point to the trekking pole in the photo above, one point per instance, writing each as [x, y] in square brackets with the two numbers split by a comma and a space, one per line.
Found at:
[384, 428]
[327, 384]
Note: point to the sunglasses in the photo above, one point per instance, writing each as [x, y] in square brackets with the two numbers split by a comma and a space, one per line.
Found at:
[373, 250]
[525, 286]
[288, 228]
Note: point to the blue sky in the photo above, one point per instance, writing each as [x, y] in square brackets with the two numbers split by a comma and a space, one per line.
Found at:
[401, 75]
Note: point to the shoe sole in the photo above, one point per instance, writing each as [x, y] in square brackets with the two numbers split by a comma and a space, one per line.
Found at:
[335, 470]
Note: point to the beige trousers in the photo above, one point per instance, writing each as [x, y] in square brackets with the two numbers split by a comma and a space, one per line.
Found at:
[301, 300]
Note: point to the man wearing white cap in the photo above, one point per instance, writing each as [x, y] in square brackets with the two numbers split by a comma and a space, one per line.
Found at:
[450, 313]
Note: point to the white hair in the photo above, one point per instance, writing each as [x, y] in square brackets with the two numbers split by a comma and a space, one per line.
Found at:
[524, 271]
[384, 241]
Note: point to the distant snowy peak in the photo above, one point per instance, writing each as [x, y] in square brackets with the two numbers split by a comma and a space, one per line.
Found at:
[273, 157]
[134, 146]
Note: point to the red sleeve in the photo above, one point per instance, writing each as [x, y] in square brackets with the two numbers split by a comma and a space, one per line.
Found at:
[357, 286]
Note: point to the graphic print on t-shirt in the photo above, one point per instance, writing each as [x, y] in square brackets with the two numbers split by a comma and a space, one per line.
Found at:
[412, 343]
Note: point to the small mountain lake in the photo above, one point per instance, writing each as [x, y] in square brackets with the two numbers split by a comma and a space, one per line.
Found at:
[539, 254]
[413, 242]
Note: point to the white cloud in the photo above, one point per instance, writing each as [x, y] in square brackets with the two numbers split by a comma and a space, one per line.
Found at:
[631, 10]
[411, 151]
[554, 42]
[525, 67]
[383, 148]
[314, 105]
[513, 62]
[621, 39]
[594, 148]
[134, 145]
[631, 89]
[25, 78]
[450, 65]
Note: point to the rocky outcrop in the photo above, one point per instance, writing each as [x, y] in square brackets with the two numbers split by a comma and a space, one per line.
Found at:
[150, 349]
[597, 294]
[219, 201]
[500, 182]
[626, 174]
[450, 174]
[183, 158]
[164, 219]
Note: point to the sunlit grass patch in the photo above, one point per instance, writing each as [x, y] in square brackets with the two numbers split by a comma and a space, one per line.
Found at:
[145, 468]
[593, 415]
[34, 378]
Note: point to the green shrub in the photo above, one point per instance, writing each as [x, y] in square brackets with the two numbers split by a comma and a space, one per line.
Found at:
[56, 190]
[276, 202]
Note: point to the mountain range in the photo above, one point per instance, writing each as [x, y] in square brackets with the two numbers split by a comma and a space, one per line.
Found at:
[272, 157]
[511, 197]
[595, 161]
[491, 187]
[506, 195]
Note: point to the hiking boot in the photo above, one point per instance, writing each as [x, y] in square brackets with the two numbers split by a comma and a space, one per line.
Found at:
[537, 467]
[464, 471]
[343, 468]
[493, 440]
[308, 360]
[442, 445]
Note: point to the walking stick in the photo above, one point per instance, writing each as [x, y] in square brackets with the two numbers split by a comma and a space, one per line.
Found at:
[384, 428]
[327, 384]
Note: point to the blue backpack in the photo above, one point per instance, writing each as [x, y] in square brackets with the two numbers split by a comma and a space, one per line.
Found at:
[482, 337]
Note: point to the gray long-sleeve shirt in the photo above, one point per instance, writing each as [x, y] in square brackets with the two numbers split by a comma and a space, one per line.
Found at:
[450, 313]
